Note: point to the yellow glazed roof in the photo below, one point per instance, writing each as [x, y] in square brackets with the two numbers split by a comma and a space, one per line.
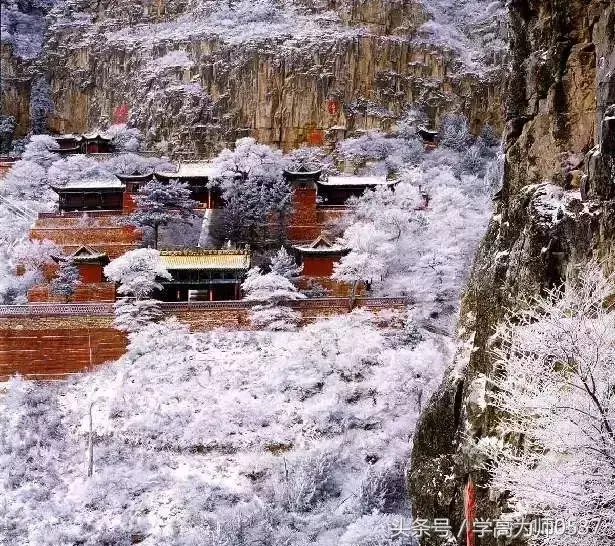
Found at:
[205, 259]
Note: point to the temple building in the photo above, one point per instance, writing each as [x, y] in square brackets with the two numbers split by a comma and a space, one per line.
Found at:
[317, 202]
[336, 190]
[204, 275]
[304, 224]
[198, 176]
[88, 143]
[132, 183]
[92, 286]
[90, 263]
[90, 195]
[318, 259]
[319, 256]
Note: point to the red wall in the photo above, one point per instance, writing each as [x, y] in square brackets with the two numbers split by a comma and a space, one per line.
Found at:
[90, 273]
[304, 225]
[318, 266]
[85, 292]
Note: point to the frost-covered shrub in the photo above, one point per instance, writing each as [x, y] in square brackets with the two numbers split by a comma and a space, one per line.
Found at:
[494, 173]
[378, 153]
[490, 136]
[455, 132]
[378, 530]
[124, 138]
[7, 128]
[304, 484]
[76, 168]
[382, 490]
[472, 161]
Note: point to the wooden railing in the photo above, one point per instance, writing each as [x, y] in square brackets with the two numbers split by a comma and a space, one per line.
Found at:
[106, 308]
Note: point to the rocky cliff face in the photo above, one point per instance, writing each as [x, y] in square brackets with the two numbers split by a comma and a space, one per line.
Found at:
[555, 210]
[197, 74]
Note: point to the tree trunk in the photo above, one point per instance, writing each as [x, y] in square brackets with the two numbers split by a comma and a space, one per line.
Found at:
[90, 447]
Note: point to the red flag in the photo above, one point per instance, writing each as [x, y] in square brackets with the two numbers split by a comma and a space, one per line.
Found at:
[470, 511]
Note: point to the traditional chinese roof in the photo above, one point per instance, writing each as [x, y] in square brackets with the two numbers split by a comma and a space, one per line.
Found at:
[135, 177]
[68, 136]
[197, 169]
[96, 134]
[85, 254]
[321, 245]
[91, 184]
[348, 180]
[200, 259]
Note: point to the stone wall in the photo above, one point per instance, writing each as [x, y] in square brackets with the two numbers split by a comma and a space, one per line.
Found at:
[72, 339]
[51, 347]
[86, 292]
[105, 233]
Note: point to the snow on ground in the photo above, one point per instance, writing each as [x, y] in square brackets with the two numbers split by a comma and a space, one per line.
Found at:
[222, 438]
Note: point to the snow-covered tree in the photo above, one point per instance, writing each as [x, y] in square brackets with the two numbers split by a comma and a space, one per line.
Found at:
[282, 263]
[160, 203]
[555, 391]
[131, 314]
[271, 290]
[367, 260]
[249, 159]
[455, 132]
[75, 168]
[138, 273]
[378, 153]
[7, 129]
[66, 279]
[311, 158]
[409, 123]
[34, 254]
[27, 181]
[130, 163]
[41, 105]
[41, 150]
[254, 190]
[124, 138]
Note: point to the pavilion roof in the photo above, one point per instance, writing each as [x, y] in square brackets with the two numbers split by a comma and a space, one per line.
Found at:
[321, 245]
[68, 136]
[351, 180]
[195, 169]
[96, 134]
[111, 182]
[203, 259]
[85, 254]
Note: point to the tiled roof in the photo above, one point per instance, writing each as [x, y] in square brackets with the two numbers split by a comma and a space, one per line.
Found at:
[205, 259]
[321, 244]
[197, 169]
[350, 180]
